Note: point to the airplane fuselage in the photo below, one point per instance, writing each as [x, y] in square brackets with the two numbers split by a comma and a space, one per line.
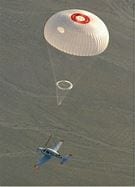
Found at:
[52, 152]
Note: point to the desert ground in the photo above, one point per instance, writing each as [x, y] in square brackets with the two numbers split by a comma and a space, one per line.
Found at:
[95, 118]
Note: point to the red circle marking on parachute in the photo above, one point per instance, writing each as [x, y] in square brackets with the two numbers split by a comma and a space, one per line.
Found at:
[80, 18]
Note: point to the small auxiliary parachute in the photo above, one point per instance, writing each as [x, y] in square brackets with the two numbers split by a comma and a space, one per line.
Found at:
[77, 32]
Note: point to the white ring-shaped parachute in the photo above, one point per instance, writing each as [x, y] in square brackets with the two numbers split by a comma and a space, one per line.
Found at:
[64, 85]
[77, 32]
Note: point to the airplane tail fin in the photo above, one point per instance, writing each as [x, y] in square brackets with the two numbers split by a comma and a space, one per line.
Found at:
[64, 159]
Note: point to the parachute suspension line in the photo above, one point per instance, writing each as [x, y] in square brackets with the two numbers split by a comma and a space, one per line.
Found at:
[62, 97]
[59, 98]
[53, 71]
[51, 62]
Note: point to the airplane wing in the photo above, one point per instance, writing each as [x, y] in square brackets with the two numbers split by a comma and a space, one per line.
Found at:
[58, 145]
[43, 160]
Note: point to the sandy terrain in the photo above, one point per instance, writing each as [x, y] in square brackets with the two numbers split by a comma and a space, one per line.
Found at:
[96, 116]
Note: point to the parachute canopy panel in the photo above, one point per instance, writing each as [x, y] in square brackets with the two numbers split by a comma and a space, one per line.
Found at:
[77, 32]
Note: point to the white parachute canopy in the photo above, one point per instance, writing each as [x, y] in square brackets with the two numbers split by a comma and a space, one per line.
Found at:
[77, 32]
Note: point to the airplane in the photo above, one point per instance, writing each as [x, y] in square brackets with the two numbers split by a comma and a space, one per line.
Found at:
[49, 153]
